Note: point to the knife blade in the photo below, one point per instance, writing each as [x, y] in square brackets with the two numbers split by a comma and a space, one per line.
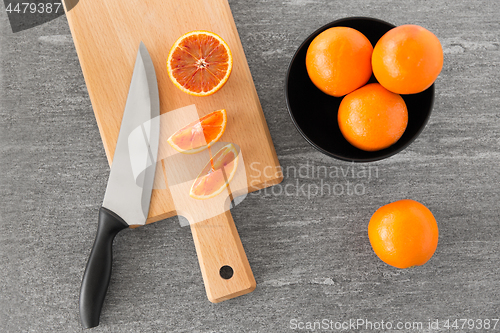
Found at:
[128, 192]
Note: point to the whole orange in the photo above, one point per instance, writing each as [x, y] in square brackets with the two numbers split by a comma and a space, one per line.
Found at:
[407, 59]
[338, 60]
[372, 118]
[403, 233]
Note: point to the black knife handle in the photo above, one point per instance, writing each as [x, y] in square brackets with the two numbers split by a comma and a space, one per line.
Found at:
[98, 271]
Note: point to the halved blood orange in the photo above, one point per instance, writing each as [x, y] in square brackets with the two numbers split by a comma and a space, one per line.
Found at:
[199, 63]
[217, 174]
[199, 134]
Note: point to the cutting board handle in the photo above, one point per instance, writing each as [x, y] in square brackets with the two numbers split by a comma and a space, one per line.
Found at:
[223, 262]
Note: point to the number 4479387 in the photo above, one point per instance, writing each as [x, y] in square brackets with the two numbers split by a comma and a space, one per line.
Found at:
[32, 8]
[472, 324]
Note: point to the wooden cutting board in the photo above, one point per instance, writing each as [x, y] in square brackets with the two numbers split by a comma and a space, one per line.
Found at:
[106, 36]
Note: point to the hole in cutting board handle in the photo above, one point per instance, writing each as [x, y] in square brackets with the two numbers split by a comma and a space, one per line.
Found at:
[226, 272]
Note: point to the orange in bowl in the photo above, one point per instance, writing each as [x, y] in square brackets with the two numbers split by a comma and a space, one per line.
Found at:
[403, 233]
[338, 60]
[372, 118]
[407, 59]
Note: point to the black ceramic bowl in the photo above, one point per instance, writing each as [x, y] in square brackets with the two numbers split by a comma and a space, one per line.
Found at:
[314, 113]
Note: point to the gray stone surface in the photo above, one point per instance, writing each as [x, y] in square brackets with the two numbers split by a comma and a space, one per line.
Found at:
[311, 256]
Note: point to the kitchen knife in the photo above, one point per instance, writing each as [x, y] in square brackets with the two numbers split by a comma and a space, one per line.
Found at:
[128, 193]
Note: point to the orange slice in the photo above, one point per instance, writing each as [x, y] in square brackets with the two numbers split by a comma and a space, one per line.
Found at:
[216, 175]
[199, 63]
[199, 134]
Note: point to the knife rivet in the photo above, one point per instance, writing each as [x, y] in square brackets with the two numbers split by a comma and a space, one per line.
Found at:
[226, 272]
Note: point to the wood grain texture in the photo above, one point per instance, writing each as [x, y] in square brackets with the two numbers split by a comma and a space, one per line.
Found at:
[106, 36]
[217, 245]
[215, 237]
[310, 256]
